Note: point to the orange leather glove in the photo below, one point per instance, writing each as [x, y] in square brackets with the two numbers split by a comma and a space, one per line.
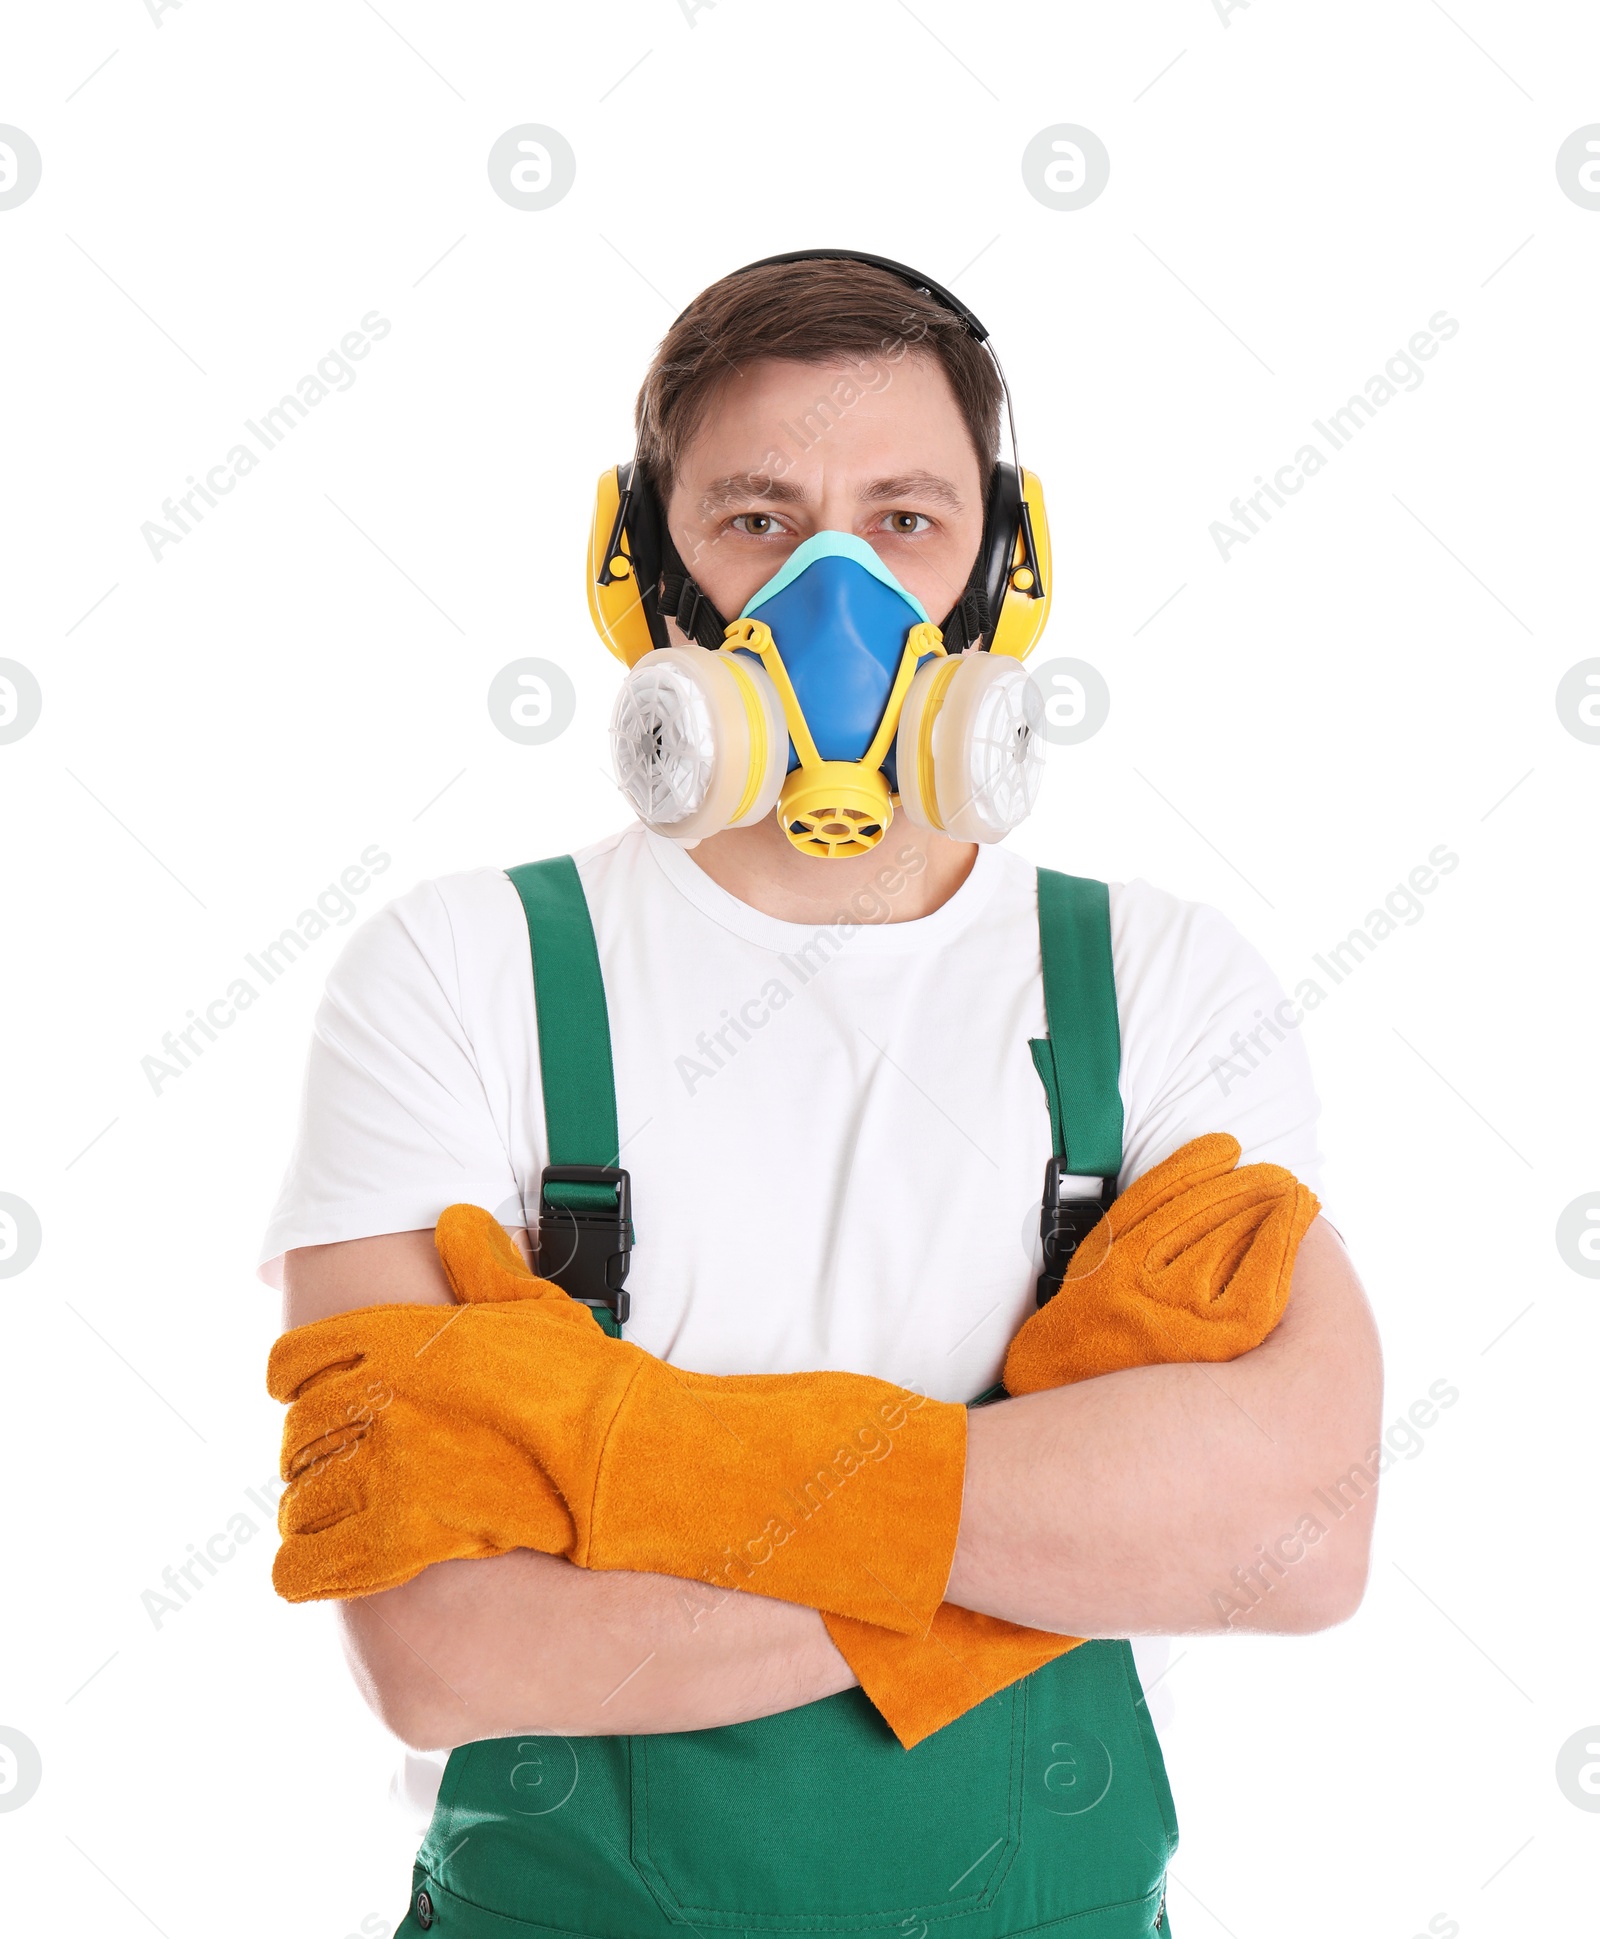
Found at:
[419, 1433]
[1192, 1262]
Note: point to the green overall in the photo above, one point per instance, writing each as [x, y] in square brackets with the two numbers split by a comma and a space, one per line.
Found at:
[1047, 1806]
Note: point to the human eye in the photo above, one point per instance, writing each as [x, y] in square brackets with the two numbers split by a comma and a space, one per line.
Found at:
[905, 525]
[758, 525]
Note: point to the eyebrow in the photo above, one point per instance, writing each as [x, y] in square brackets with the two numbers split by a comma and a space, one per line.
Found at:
[742, 486]
[748, 484]
[914, 484]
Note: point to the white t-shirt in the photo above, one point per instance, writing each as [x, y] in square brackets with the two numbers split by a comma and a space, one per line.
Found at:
[836, 1137]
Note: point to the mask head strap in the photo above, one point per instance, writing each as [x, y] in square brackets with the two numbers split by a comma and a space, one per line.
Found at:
[683, 601]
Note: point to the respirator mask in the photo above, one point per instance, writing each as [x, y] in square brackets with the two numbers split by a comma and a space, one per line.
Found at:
[830, 695]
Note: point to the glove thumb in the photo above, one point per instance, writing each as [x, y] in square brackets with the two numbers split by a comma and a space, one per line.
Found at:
[480, 1260]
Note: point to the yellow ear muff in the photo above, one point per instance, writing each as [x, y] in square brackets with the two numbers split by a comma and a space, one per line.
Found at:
[1022, 613]
[614, 604]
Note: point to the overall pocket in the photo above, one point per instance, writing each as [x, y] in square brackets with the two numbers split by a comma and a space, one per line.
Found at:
[1098, 1823]
[531, 1833]
[817, 1820]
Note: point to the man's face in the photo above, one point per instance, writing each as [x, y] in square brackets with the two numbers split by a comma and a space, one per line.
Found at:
[787, 449]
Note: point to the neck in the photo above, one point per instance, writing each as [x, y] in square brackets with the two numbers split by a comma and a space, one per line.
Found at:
[911, 872]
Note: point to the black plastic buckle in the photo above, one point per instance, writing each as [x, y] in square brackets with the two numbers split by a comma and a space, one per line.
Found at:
[1064, 1223]
[698, 619]
[585, 1253]
[687, 612]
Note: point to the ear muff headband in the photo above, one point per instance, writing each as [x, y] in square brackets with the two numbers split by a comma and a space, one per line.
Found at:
[637, 580]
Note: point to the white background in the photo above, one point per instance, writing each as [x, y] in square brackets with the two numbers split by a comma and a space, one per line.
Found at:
[1373, 674]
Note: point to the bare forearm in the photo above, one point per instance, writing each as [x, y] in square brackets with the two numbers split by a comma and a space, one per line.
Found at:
[1153, 1498]
[528, 1643]
[1125, 1505]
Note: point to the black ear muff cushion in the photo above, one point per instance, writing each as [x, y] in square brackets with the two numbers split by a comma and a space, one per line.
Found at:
[975, 613]
[1002, 516]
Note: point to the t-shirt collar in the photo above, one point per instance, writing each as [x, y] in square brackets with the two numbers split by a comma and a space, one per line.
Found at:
[867, 922]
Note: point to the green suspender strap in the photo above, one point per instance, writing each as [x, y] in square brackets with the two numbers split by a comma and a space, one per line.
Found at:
[1043, 1811]
[1078, 1062]
[1080, 1058]
[585, 1230]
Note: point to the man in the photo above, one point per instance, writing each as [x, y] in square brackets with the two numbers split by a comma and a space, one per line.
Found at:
[834, 1131]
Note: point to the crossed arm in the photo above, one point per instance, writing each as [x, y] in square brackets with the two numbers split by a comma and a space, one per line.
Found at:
[1157, 1501]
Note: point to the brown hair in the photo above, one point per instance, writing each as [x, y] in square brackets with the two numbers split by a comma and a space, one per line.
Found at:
[811, 312]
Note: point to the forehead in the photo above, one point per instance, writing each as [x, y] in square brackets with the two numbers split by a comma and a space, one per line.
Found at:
[777, 416]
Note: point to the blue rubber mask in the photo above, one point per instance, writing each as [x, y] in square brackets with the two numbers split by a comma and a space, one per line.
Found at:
[841, 639]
